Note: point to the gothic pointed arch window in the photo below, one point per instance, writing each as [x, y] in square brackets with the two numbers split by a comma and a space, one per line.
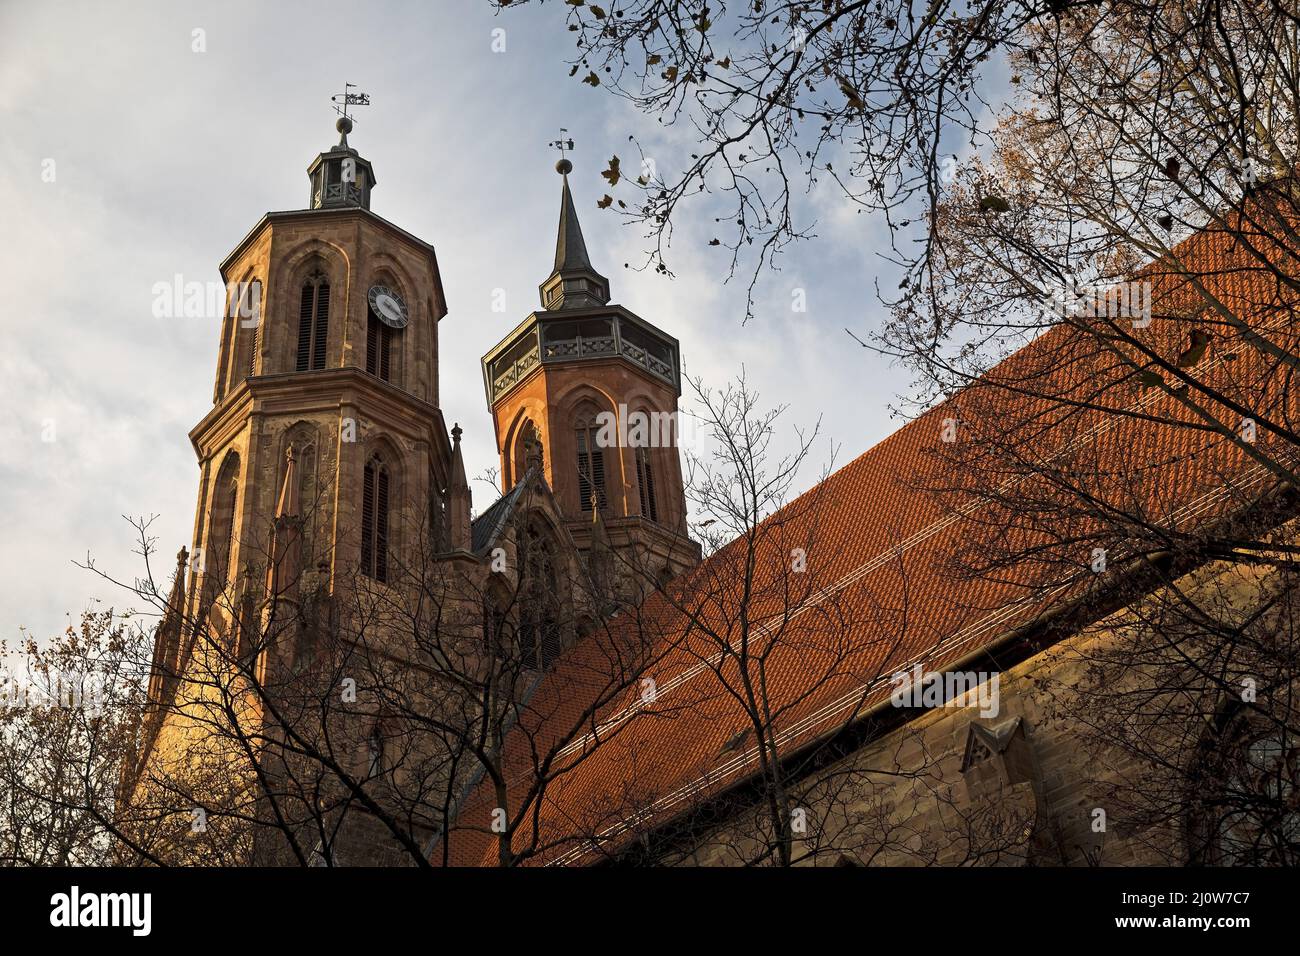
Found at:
[1247, 801]
[304, 439]
[497, 632]
[539, 630]
[218, 561]
[590, 459]
[313, 322]
[527, 435]
[375, 490]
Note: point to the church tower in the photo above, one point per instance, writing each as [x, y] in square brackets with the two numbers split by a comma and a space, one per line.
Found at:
[325, 424]
[591, 390]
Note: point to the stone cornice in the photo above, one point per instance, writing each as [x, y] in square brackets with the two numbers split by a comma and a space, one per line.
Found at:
[534, 319]
[287, 393]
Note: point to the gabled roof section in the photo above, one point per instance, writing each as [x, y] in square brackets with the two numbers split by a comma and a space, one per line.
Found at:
[991, 740]
[485, 530]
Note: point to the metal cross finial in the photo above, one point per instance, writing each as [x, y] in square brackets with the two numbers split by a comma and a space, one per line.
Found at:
[347, 98]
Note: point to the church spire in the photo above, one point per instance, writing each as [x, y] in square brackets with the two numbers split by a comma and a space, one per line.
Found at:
[167, 639]
[573, 283]
[286, 535]
[570, 248]
[458, 498]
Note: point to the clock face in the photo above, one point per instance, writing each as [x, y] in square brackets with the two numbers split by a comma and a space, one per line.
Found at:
[388, 305]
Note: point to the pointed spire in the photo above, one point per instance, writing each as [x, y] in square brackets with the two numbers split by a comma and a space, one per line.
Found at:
[286, 535]
[289, 504]
[533, 453]
[573, 283]
[167, 638]
[570, 247]
[459, 498]
[601, 560]
[599, 536]
[177, 599]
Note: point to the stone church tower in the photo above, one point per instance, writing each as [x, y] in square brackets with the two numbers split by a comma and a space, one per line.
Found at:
[340, 591]
[589, 390]
[331, 356]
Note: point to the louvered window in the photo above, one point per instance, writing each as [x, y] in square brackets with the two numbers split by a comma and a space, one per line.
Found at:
[257, 345]
[374, 520]
[591, 466]
[313, 324]
[379, 347]
[646, 480]
[540, 643]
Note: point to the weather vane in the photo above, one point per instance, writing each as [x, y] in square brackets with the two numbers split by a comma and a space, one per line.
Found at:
[347, 98]
[563, 143]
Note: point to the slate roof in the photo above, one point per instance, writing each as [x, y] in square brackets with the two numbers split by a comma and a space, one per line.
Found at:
[570, 247]
[487, 527]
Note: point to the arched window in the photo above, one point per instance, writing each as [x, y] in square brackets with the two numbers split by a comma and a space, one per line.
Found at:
[645, 480]
[539, 630]
[374, 520]
[590, 463]
[1248, 797]
[527, 436]
[217, 561]
[380, 345]
[221, 537]
[495, 622]
[313, 323]
[303, 437]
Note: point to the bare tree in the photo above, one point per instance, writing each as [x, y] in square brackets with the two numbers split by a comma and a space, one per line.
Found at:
[776, 96]
[1108, 324]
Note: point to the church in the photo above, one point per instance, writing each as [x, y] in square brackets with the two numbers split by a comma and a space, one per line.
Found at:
[357, 665]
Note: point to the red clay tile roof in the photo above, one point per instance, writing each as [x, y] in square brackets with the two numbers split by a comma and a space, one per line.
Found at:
[881, 591]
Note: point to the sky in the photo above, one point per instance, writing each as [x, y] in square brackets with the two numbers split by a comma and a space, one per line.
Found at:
[128, 157]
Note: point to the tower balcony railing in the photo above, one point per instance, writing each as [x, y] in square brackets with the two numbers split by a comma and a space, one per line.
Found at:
[579, 347]
[613, 337]
[516, 370]
[647, 361]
